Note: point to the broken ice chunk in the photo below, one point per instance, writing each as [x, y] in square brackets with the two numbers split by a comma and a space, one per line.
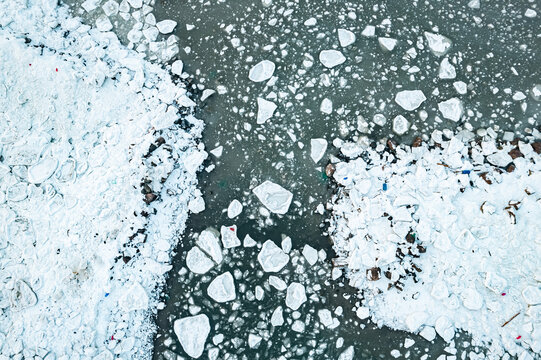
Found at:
[274, 197]
[277, 283]
[410, 99]
[447, 70]
[438, 44]
[229, 236]
[166, 26]
[500, 158]
[265, 110]
[451, 109]
[196, 205]
[277, 317]
[248, 241]
[254, 340]
[369, 31]
[532, 295]
[345, 37]
[261, 71]
[42, 170]
[326, 106]
[222, 288]
[103, 23]
[415, 320]
[192, 332]
[331, 58]
[445, 328]
[271, 257]
[460, 87]
[317, 149]
[363, 312]
[209, 243]
[135, 298]
[197, 261]
[347, 354]
[177, 67]
[310, 254]
[207, 93]
[400, 125]
[234, 209]
[296, 295]
[387, 44]
[194, 160]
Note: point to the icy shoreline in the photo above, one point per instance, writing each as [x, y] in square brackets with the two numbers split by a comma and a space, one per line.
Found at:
[96, 179]
[439, 239]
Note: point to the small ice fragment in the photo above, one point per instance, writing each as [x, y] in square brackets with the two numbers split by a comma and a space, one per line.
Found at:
[217, 151]
[271, 257]
[222, 288]
[103, 23]
[474, 4]
[347, 354]
[387, 44]
[428, 333]
[369, 31]
[346, 37]
[465, 240]
[274, 197]
[177, 67]
[136, 4]
[277, 283]
[460, 87]
[110, 8]
[363, 312]
[326, 106]
[438, 44]
[379, 119]
[410, 99]
[408, 343]
[166, 26]
[286, 244]
[400, 125]
[196, 205]
[519, 96]
[197, 261]
[254, 340]
[277, 317]
[192, 332]
[447, 70]
[265, 110]
[296, 295]
[325, 317]
[234, 209]
[22, 296]
[248, 241]
[207, 93]
[42, 170]
[471, 299]
[310, 254]
[310, 22]
[395, 353]
[415, 320]
[194, 160]
[532, 295]
[530, 13]
[229, 236]
[262, 71]
[317, 149]
[331, 58]
[451, 109]
[210, 244]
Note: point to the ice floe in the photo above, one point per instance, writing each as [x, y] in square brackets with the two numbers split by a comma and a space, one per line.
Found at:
[262, 71]
[410, 99]
[331, 58]
[274, 197]
[271, 257]
[222, 288]
[192, 332]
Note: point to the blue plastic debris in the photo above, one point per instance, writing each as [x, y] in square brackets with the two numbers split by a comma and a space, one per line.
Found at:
[346, 178]
[466, 171]
[384, 186]
[106, 294]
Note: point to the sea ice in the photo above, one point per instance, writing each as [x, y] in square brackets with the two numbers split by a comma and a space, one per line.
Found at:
[177, 67]
[447, 70]
[271, 257]
[274, 197]
[265, 110]
[222, 288]
[277, 317]
[166, 26]
[331, 58]
[451, 109]
[345, 37]
[209, 243]
[310, 254]
[410, 99]
[277, 283]
[400, 125]
[347, 354]
[42, 170]
[295, 296]
[387, 44]
[234, 209]
[197, 261]
[369, 31]
[229, 236]
[326, 106]
[317, 149]
[192, 332]
[438, 44]
[262, 71]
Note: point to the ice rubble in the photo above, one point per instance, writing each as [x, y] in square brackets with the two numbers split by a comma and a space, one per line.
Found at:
[439, 239]
[317, 149]
[451, 109]
[82, 137]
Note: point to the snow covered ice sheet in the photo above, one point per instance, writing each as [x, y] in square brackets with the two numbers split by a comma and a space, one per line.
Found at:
[92, 195]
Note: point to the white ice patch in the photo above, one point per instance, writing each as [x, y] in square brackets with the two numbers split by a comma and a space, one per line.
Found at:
[229, 236]
[447, 70]
[192, 332]
[438, 44]
[274, 197]
[387, 44]
[331, 58]
[317, 149]
[177, 67]
[222, 288]
[166, 26]
[210, 244]
[234, 209]
[262, 71]
[265, 110]
[451, 109]
[326, 106]
[271, 257]
[197, 261]
[310, 254]
[400, 125]
[295, 296]
[346, 37]
[410, 99]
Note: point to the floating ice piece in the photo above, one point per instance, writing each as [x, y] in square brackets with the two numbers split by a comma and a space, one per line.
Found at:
[192, 332]
[438, 44]
[229, 236]
[217, 151]
[369, 31]
[428, 333]
[310, 254]
[451, 109]
[286, 244]
[387, 44]
[274, 197]
[42, 170]
[317, 149]
[177, 67]
[326, 106]
[331, 58]
[210, 244]
[277, 283]
[363, 312]
[222, 288]
[410, 99]
[136, 4]
[447, 70]
[474, 4]
[135, 298]
[310, 22]
[194, 160]
[325, 317]
[196, 205]
[400, 125]
[471, 299]
[530, 13]
[254, 340]
[536, 92]
[110, 8]
[262, 71]
[271, 257]
[197, 261]
[265, 110]
[234, 209]
[22, 296]
[445, 328]
[103, 23]
[346, 37]
[460, 87]
[166, 26]
[296, 295]
[248, 241]
[277, 317]
[347, 354]
[207, 93]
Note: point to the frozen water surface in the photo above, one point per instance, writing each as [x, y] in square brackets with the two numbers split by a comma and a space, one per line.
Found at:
[471, 60]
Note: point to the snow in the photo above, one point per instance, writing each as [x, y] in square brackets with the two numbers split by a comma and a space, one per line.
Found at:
[317, 149]
[271, 257]
[222, 288]
[331, 58]
[400, 125]
[451, 109]
[265, 110]
[234, 209]
[86, 137]
[450, 244]
[387, 44]
[274, 197]
[295, 296]
[438, 44]
[346, 37]
[262, 71]
[410, 99]
[192, 333]
[166, 26]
